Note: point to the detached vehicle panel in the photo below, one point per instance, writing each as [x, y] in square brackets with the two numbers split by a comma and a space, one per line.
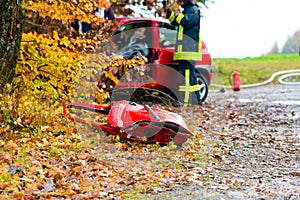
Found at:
[161, 40]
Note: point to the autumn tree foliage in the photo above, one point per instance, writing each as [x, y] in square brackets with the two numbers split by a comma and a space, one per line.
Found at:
[52, 56]
[61, 49]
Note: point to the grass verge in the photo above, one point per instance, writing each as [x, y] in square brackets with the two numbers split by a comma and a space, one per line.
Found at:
[253, 70]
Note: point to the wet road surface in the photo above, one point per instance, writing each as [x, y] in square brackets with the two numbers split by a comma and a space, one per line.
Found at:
[260, 133]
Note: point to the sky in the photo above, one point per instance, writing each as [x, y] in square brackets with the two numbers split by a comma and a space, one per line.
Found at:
[248, 28]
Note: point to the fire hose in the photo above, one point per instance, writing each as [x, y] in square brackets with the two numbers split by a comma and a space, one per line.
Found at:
[284, 75]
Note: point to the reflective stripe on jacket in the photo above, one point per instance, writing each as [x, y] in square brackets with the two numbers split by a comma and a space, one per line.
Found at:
[189, 44]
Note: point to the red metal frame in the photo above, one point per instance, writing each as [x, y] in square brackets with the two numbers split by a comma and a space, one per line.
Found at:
[136, 122]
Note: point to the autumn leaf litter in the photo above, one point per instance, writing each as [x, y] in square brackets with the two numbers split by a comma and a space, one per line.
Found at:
[241, 150]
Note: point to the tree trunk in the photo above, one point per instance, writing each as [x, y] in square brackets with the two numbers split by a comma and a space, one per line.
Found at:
[11, 22]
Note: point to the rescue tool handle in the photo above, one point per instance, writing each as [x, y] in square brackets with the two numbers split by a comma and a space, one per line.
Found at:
[104, 109]
[154, 115]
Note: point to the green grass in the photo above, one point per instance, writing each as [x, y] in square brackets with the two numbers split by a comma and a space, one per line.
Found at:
[253, 69]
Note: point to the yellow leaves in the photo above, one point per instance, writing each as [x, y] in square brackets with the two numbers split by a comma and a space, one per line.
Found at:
[101, 95]
[63, 11]
[18, 123]
[55, 35]
[30, 3]
[45, 9]
[46, 61]
[11, 145]
[111, 76]
[88, 41]
[121, 146]
[100, 73]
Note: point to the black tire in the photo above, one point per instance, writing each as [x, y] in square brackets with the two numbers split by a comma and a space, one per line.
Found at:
[204, 86]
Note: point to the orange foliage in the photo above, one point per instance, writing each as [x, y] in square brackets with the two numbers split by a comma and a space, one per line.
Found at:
[64, 11]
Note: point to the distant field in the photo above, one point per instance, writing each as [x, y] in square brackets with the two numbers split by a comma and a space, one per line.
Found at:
[253, 70]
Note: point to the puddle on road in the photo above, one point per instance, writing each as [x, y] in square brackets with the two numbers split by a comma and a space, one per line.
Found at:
[287, 102]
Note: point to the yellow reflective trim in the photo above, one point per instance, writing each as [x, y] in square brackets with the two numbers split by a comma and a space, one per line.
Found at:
[188, 55]
[187, 77]
[186, 99]
[179, 17]
[200, 45]
[194, 88]
[187, 83]
[179, 48]
[172, 17]
[187, 88]
[180, 32]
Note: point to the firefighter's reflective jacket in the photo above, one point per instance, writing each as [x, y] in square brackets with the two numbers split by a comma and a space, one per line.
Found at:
[189, 45]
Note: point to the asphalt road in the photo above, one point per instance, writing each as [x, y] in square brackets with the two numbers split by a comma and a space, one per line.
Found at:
[260, 131]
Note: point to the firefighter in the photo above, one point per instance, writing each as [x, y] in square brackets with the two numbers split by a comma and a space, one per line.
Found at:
[188, 48]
